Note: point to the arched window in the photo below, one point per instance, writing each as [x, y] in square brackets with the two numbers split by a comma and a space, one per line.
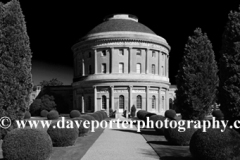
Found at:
[121, 102]
[104, 102]
[153, 69]
[153, 102]
[139, 101]
[121, 68]
[89, 103]
[138, 68]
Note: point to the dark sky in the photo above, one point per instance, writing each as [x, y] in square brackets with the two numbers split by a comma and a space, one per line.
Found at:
[54, 26]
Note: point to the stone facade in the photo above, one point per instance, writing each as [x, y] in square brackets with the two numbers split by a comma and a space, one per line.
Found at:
[121, 68]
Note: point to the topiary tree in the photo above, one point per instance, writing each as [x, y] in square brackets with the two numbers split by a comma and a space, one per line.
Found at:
[27, 115]
[158, 120]
[35, 107]
[74, 114]
[171, 114]
[52, 115]
[133, 111]
[229, 69]
[215, 145]
[62, 137]
[27, 144]
[15, 62]
[197, 78]
[83, 130]
[174, 136]
[44, 113]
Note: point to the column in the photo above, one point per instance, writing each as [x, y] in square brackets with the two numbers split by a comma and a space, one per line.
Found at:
[159, 100]
[130, 100]
[83, 106]
[147, 60]
[108, 106]
[165, 65]
[168, 66]
[111, 61]
[83, 68]
[95, 98]
[129, 60]
[166, 100]
[112, 97]
[95, 61]
[147, 98]
[159, 63]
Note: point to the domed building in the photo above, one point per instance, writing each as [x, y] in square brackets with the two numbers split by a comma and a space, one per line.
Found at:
[119, 64]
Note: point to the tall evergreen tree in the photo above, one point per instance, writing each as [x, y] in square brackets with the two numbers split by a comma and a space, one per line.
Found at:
[197, 78]
[229, 68]
[15, 62]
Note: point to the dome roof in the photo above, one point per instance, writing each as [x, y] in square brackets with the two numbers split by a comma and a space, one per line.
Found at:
[121, 22]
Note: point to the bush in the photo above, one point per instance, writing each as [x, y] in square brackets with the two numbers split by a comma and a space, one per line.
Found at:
[105, 114]
[74, 114]
[44, 113]
[218, 114]
[27, 144]
[96, 116]
[171, 114]
[83, 131]
[133, 111]
[90, 118]
[215, 145]
[157, 126]
[100, 114]
[62, 137]
[142, 115]
[27, 115]
[174, 136]
[52, 115]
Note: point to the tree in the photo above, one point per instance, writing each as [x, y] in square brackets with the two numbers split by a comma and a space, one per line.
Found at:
[15, 61]
[229, 68]
[52, 82]
[197, 78]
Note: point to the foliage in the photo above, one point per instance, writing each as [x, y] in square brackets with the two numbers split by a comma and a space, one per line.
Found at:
[44, 113]
[74, 114]
[215, 145]
[27, 115]
[35, 107]
[142, 115]
[171, 114]
[218, 114]
[174, 136]
[83, 130]
[133, 111]
[96, 116]
[158, 120]
[52, 82]
[52, 115]
[15, 62]
[229, 68]
[197, 78]
[27, 144]
[62, 137]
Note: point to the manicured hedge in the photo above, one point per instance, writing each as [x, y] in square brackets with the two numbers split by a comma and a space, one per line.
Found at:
[170, 114]
[74, 114]
[142, 115]
[96, 116]
[90, 118]
[62, 137]
[27, 115]
[178, 137]
[218, 114]
[157, 120]
[44, 113]
[83, 130]
[100, 114]
[27, 144]
[215, 145]
[52, 115]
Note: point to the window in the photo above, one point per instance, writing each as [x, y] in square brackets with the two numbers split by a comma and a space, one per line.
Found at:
[121, 68]
[104, 53]
[121, 102]
[89, 103]
[138, 52]
[104, 69]
[89, 54]
[104, 102]
[121, 52]
[139, 101]
[138, 68]
[89, 69]
[154, 54]
[153, 69]
[153, 102]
